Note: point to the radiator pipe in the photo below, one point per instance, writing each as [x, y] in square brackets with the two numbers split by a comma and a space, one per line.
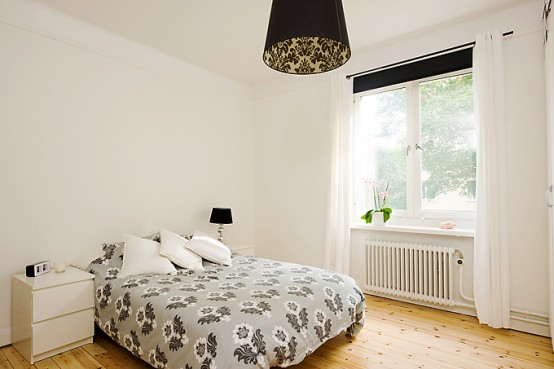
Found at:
[460, 262]
[516, 314]
[461, 286]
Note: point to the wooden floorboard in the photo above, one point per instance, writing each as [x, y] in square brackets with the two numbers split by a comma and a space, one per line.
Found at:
[396, 335]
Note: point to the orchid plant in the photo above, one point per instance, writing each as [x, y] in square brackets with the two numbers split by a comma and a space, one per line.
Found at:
[379, 199]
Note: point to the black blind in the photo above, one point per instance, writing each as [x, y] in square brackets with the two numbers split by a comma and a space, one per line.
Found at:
[446, 63]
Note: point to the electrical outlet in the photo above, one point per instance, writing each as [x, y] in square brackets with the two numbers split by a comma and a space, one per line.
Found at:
[34, 270]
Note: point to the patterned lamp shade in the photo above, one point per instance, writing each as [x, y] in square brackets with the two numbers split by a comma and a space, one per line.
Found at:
[306, 36]
[221, 216]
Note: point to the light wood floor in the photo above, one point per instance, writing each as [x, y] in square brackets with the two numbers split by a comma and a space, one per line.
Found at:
[396, 335]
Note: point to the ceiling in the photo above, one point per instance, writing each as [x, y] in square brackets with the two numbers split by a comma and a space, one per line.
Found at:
[228, 36]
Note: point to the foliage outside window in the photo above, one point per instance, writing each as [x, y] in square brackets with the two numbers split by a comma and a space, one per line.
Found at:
[419, 136]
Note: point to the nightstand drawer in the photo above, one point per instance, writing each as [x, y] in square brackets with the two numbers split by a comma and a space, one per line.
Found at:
[52, 302]
[53, 333]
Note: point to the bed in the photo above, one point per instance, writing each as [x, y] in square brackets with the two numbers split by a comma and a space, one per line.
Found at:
[255, 313]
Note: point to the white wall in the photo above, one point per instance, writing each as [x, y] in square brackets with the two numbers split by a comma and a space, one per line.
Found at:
[301, 115]
[527, 173]
[291, 162]
[97, 142]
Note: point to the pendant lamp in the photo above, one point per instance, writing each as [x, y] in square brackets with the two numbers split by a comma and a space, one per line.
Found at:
[306, 36]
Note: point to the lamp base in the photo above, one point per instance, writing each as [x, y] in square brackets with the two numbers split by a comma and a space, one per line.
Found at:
[220, 231]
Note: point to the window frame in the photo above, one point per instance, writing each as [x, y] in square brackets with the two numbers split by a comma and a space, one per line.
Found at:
[414, 212]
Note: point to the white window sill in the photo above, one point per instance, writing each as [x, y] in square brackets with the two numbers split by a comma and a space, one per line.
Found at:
[456, 232]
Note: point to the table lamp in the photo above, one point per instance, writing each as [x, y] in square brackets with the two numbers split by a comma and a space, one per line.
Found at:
[221, 216]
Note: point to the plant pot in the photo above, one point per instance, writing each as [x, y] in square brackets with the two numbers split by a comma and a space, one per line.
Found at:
[378, 218]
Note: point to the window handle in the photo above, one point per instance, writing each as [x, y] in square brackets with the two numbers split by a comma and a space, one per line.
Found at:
[547, 196]
[408, 148]
[418, 147]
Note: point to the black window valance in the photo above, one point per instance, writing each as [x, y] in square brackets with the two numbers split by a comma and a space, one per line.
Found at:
[434, 66]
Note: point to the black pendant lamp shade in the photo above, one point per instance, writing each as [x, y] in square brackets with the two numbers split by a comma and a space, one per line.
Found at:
[306, 36]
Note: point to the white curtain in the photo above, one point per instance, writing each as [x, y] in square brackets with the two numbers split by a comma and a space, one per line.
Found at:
[337, 238]
[491, 260]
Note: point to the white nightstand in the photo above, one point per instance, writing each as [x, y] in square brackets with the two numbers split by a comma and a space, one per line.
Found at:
[52, 313]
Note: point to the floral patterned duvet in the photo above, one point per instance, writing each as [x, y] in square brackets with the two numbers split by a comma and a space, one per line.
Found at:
[256, 313]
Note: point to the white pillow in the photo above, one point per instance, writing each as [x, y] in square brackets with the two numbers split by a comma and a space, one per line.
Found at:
[142, 256]
[209, 249]
[172, 246]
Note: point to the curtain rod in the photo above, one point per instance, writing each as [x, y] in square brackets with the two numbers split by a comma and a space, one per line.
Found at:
[469, 44]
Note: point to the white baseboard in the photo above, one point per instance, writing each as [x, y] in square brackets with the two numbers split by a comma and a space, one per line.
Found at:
[530, 322]
[5, 337]
[533, 328]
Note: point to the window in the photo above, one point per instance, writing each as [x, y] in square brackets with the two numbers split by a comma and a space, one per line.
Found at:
[420, 138]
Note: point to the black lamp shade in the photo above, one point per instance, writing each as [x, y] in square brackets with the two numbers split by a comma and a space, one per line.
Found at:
[306, 36]
[221, 216]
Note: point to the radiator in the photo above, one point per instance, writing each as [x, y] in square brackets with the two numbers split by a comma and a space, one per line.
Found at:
[412, 271]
